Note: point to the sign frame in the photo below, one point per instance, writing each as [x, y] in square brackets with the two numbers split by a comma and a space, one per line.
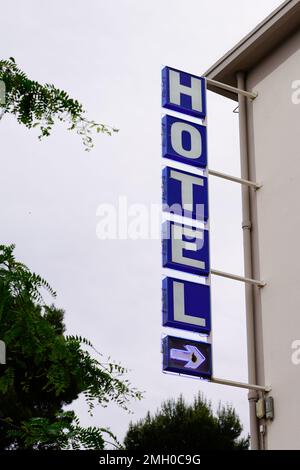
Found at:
[167, 250]
[169, 191]
[177, 366]
[168, 150]
[185, 80]
[168, 311]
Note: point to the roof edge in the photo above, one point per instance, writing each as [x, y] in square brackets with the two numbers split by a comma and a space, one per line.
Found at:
[258, 43]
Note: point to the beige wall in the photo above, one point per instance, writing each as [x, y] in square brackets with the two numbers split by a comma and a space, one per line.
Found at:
[274, 146]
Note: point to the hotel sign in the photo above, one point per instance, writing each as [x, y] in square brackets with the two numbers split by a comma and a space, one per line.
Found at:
[186, 304]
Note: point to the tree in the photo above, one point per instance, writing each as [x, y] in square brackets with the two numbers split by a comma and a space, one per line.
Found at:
[186, 428]
[46, 369]
[37, 105]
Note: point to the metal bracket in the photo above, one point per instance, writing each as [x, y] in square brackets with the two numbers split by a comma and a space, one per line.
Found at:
[235, 179]
[238, 91]
[232, 383]
[246, 280]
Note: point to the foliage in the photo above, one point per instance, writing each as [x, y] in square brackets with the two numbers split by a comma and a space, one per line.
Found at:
[187, 428]
[63, 433]
[37, 105]
[46, 369]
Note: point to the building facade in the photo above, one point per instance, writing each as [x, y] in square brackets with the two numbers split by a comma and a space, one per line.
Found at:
[268, 60]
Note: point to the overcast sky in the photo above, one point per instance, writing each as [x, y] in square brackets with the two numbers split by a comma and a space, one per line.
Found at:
[108, 55]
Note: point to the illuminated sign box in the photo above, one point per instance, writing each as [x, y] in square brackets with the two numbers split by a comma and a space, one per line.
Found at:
[186, 305]
[184, 141]
[183, 92]
[185, 356]
[185, 248]
[185, 194]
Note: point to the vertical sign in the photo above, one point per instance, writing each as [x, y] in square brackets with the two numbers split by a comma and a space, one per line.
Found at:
[186, 305]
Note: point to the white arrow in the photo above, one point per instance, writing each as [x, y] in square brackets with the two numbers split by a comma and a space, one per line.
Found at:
[192, 356]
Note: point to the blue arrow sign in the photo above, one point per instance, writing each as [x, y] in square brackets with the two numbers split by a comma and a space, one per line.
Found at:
[187, 357]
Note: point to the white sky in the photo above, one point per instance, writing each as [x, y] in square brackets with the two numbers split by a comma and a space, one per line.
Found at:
[108, 54]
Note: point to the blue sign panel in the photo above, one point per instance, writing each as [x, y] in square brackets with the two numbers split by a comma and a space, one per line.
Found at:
[183, 92]
[185, 248]
[188, 357]
[184, 141]
[186, 305]
[185, 194]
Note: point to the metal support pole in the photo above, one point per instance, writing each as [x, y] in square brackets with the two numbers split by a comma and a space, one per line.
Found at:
[250, 319]
[246, 280]
[235, 179]
[238, 90]
[232, 383]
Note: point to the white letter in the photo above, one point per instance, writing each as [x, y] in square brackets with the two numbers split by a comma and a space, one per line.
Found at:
[179, 307]
[178, 245]
[177, 129]
[187, 183]
[176, 89]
